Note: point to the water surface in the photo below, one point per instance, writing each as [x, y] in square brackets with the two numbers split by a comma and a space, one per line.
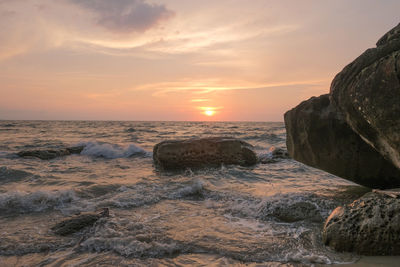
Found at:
[229, 215]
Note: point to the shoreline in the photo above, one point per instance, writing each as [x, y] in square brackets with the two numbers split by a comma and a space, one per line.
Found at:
[371, 261]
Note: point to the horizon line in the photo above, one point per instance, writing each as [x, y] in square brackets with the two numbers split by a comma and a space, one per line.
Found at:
[98, 120]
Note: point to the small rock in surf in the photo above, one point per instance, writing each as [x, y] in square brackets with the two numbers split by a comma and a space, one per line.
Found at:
[78, 222]
[50, 153]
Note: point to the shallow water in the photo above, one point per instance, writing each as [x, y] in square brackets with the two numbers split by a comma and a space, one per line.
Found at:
[265, 215]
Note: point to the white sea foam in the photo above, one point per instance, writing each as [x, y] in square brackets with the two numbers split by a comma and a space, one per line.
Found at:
[130, 197]
[129, 246]
[128, 238]
[264, 156]
[23, 202]
[112, 151]
[196, 188]
[307, 257]
[287, 207]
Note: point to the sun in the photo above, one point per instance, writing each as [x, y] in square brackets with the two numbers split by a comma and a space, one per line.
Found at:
[209, 112]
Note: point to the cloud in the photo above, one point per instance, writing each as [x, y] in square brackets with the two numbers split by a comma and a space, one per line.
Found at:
[206, 86]
[125, 15]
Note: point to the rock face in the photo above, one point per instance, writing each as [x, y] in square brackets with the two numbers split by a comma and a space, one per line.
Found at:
[195, 153]
[318, 135]
[367, 92]
[78, 222]
[368, 226]
[354, 132]
[50, 153]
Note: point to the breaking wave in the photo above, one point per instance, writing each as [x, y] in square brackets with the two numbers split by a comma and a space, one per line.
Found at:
[23, 202]
[284, 207]
[112, 151]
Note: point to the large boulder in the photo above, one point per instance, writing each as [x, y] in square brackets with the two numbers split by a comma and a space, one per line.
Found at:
[318, 135]
[367, 92]
[368, 226]
[195, 153]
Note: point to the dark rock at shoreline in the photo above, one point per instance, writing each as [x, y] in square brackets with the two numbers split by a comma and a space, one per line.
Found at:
[78, 222]
[354, 132]
[367, 92]
[368, 226]
[51, 153]
[318, 135]
[203, 152]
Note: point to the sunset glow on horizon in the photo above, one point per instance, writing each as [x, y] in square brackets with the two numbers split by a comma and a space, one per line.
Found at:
[229, 60]
[209, 112]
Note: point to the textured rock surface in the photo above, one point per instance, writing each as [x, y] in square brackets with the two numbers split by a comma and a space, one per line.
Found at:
[368, 226]
[367, 92]
[202, 152]
[50, 153]
[78, 222]
[317, 135]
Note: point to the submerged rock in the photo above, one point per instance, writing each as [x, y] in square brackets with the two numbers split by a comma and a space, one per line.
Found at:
[51, 153]
[367, 92]
[368, 226]
[274, 155]
[318, 135]
[78, 222]
[194, 153]
[279, 153]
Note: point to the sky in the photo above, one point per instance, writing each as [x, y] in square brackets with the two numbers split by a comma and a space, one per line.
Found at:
[208, 60]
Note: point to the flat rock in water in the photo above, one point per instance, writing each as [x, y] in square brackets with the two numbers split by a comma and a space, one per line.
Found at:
[203, 152]
[51, 153]
[78, 222]
[368, 226]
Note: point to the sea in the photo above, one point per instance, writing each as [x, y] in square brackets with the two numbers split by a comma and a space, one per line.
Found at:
[270, 214]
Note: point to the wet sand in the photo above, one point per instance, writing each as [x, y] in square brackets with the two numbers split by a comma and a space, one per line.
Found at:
[373, 261]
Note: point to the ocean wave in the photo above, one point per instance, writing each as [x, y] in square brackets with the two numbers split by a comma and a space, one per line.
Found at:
[4, 154]
[272, 155]
[265, 136]
[194, 190]
[129, 238]
[130, 246]
[8, 125]
[130, 130]
[287, 208]
[112, 151]
[10, 175]
[24, 202]
[19, 246]
[127, 197]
